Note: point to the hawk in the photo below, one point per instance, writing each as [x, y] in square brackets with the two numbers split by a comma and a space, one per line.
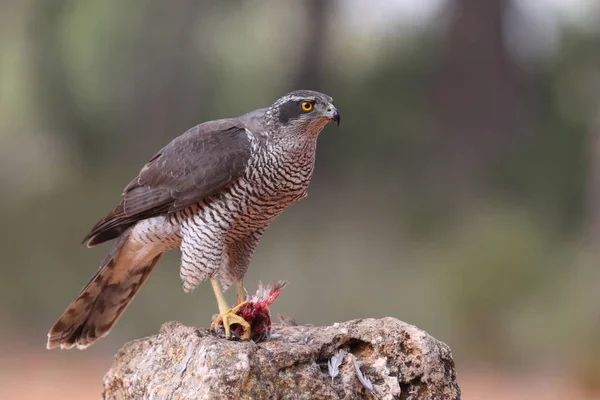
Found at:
[211, 192]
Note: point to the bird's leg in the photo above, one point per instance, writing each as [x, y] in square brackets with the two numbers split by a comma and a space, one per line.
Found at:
[228, 315]
[240, 291]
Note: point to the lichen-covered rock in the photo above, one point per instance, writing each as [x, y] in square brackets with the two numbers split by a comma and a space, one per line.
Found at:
[400, 360]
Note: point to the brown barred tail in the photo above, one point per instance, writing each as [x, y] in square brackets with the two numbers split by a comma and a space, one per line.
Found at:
[92, 314]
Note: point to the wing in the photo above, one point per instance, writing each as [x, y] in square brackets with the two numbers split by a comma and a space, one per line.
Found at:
[194, 166]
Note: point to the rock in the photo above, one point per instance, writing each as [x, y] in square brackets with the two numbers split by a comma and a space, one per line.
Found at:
[401, 361]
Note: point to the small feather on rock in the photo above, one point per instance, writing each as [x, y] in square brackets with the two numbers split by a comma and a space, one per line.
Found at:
[333, 365]
[186, 360]
[366, 382]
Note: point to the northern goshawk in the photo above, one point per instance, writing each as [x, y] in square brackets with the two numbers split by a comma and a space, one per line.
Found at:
[211, 192]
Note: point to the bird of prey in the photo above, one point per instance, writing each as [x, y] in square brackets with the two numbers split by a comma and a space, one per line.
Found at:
[211, 192]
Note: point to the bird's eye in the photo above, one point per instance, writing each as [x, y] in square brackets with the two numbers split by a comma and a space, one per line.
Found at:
[306, 106]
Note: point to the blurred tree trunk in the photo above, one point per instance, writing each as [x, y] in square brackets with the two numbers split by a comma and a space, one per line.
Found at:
[167, 91]
[586, 354]
[163, 81]
[592, 199]
[310, 72]
[54, 94]
[479, 97]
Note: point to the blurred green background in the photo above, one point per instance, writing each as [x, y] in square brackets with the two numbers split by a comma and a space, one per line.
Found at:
[461, 192]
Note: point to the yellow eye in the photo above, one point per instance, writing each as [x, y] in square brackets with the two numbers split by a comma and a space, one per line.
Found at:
[306, 106]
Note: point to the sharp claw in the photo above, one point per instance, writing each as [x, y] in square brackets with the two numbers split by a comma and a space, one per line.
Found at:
[231, 318]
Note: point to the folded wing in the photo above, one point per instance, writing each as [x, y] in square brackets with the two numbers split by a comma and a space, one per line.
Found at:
[194, 166]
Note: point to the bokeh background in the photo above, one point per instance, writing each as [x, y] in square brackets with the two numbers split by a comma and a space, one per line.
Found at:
[461, 192]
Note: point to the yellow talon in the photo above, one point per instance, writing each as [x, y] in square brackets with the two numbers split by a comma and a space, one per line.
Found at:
[228, 315]
[229, 318]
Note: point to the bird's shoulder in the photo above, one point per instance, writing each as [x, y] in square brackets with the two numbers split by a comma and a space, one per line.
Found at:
[226, 133]
[223, 142]
[254, 122]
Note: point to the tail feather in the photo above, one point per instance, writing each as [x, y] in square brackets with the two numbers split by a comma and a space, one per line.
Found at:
[98, 306]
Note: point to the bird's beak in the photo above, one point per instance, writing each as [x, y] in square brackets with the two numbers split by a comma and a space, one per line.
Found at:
[333, 114]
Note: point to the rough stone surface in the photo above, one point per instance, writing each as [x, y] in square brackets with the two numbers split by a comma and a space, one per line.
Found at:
[402, 362]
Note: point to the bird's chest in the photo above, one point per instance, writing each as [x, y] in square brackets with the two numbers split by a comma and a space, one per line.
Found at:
[284, 179]
[271, 183]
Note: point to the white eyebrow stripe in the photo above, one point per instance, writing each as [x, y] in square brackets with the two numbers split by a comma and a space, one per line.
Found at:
[296, 98]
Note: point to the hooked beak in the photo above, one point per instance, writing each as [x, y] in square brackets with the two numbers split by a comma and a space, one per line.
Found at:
[333, 114]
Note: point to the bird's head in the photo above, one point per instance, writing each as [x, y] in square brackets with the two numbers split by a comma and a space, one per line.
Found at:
[303, 111]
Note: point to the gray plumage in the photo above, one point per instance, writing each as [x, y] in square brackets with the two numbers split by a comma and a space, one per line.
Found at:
[210, 192]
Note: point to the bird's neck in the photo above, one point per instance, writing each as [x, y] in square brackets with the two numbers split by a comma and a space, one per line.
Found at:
[294, 145]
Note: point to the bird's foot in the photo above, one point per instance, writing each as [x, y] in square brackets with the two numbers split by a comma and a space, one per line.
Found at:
[230, 318]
